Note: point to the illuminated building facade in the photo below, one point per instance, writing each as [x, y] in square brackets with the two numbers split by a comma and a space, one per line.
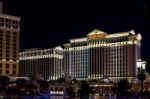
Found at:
[9, 43]
[42, 63]
[76, 59]
[103, 55]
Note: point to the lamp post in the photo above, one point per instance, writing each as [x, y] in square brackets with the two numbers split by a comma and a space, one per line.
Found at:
[141, 72]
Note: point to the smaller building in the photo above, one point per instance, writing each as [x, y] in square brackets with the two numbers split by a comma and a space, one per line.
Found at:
[56, 90]
[43, 64]
[104, 87]
[136, 86]
[15, 78]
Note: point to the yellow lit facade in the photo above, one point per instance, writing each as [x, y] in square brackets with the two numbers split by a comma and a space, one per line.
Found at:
[9, 43]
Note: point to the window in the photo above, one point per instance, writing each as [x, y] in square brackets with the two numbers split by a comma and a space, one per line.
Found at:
[14, 66]
[7, 58]
[7, 66]
[7, 47]
[2, 20]
[6, 20]
[14, 72]
[0, 65]
[15, 33]
[7, 71]
[7, 36]
[7, 33]
[0, 71]
[14, 59]
[14, 52]
[1, 31]
[7, 39]
[7, 51]
[7, 54]
[14, 48]
[14, 40]
[9, 21]
[7, 43]
[13, 22]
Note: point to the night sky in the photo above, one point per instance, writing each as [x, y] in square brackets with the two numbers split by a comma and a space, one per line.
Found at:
[49, 23]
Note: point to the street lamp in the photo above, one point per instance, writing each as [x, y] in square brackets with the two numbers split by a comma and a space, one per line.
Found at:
[141, 72]
[141, 66]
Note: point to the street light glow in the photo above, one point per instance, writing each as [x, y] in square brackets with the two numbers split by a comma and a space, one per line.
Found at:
[141, 64]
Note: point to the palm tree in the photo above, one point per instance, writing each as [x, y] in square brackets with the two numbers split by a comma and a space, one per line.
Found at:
[123, 87]
[84, 90]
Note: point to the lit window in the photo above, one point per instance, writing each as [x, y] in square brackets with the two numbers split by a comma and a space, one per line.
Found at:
[7, 71]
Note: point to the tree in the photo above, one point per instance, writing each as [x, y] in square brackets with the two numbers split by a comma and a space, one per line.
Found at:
[4, 78]
[61, 80]
[4, 81]
[74, 81]
[147, 65]
[123, 87]
[84, 90]
[92, 90]
[73, 89]
[20, 82]
[43, 85]
[114, 88]
[92, 81]
[71, 92]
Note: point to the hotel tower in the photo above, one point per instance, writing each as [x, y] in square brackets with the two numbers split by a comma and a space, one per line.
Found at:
[100, 54]
[42, 63]
[9, 43]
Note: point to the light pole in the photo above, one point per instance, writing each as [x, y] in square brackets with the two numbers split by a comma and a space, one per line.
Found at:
[141, 72]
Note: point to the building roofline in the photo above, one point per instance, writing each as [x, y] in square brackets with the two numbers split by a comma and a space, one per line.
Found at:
[78, 39]
[10, 17]
[96, 31]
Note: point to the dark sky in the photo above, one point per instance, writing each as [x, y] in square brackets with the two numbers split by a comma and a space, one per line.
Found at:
[49, 23]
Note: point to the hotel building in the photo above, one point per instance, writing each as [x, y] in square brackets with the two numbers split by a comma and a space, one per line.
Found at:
[103, 55]
[42, 63]
[9, 43]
